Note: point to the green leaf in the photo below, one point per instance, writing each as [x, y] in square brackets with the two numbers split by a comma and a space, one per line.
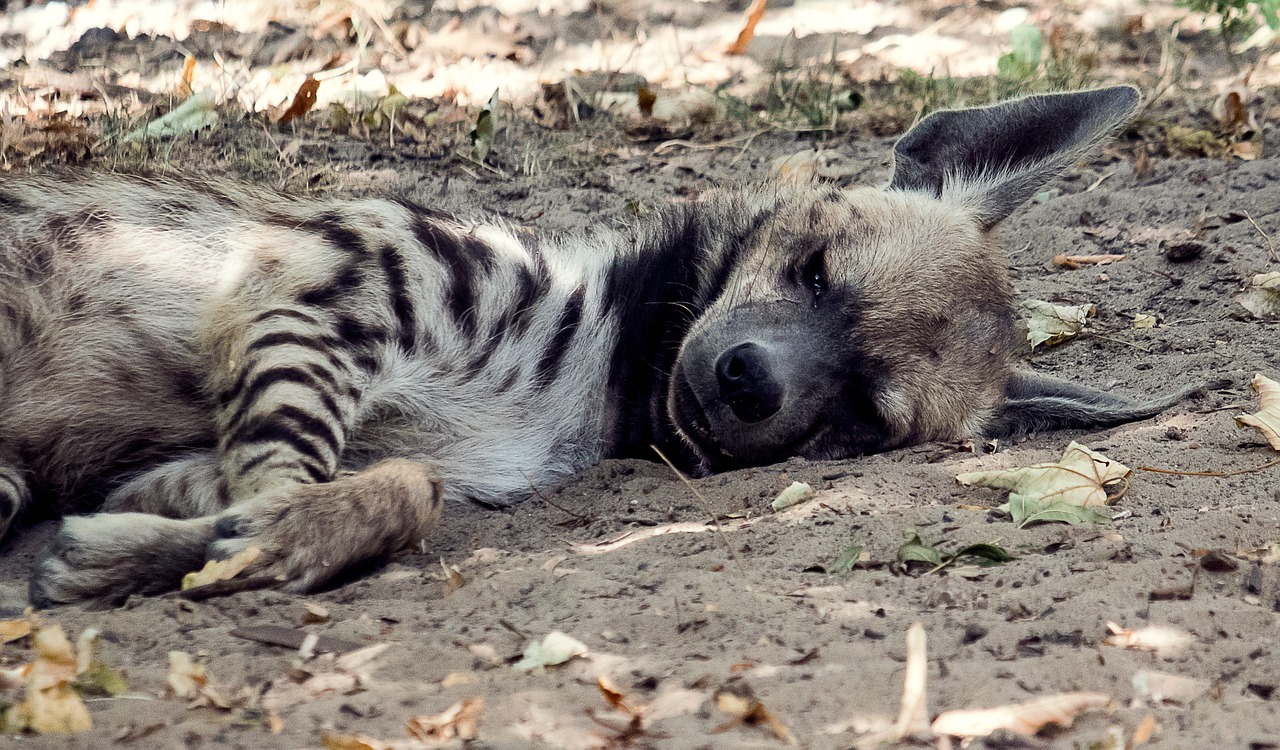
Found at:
[914, 549]
[1027, 44]
[486, 126]
[1270, 10]
[991, 552]
[1025, 510]
[99, 680]
[845, 561]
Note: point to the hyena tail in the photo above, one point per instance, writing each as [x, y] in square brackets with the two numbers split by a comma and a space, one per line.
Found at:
[1035, 403]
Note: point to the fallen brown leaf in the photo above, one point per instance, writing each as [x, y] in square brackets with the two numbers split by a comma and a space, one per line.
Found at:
[1161, 639]
[302, 102]
[51, 705]
[754, 14]
[222, 570]
[739, 701]
[458, 721]
[1145, 730]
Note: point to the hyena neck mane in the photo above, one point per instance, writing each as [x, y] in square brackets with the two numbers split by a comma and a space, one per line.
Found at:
[670, 269]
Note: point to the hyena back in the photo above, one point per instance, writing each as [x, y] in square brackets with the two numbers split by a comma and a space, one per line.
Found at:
[221, 367]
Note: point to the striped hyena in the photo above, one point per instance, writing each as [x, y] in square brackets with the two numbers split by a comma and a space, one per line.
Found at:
[213, 366]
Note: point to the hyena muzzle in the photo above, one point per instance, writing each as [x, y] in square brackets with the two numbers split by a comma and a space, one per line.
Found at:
[212, 367]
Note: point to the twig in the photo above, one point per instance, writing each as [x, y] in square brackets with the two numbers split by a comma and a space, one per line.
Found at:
[1139, 347]
[706, 508]
[1235, 473]
[1271, 246]
[1099, 181]
[546, 500]
[227, 587]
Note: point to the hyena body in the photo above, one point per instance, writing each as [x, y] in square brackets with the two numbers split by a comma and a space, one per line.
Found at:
[222, 367]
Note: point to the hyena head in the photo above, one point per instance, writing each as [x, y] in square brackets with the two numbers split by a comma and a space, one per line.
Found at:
[854, 321]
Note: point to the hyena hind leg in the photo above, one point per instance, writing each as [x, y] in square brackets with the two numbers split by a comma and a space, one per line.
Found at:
[187, 487]
[14, 496]
[310, 533]
[108, 556]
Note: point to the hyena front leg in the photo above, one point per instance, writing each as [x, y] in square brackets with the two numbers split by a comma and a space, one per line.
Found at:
[313, 531]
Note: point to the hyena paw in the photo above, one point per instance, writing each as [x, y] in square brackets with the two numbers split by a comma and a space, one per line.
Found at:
[108, 556]
[310, 533]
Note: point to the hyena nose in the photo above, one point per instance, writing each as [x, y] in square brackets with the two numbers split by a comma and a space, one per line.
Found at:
[746, 383]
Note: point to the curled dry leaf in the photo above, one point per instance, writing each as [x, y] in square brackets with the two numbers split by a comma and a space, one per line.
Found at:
[222, 570]
[1065, 491]
[1232, 110]
[1262, 298]
[1267, 419]
[453, 579]
[1163, 640]
[555, 648]
[1051, 324]
[1025, 719]
[459, 721]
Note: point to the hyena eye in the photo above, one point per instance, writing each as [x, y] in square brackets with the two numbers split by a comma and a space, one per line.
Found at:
[814, 274]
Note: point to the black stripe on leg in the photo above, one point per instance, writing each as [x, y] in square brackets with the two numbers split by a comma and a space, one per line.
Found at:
[316, 342]
[291, 427]
[312, 377]
[398, 289]
[566, 327]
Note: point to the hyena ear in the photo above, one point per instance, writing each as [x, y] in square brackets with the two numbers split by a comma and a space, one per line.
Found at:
[1034, 403]
[992, 159]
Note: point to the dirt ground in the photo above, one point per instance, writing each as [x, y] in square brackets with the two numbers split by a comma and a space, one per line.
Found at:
[675, 607]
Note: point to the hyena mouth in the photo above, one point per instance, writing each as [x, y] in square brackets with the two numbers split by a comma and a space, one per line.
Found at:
[692, 422]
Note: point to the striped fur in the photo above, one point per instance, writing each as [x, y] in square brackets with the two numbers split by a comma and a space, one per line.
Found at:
[220, 366]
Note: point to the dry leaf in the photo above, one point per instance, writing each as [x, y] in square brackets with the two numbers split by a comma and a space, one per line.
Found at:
[1064, 491]
[1163, 640]
[188, 71]
[1262, 298]
[1145, 731]
[1232, 112]
[352, 742]
[303, 101]
[1051, 324]
[1246, 150]
[186, 678]
[799, 168]
[197, 113]
[1079, 261]
[795, 494]
[222, 570]
[1159, 687]
[453, 579]
[1267, 419]
[747, 709]
[459, 721]
[914, 716]
[12, 630]
[555, 648]
[52, 705]
[1145, 320]
[1021, 718]
[754, 14]
[315, 614]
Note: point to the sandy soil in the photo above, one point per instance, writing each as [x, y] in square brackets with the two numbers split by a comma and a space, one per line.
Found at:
[676, 607]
